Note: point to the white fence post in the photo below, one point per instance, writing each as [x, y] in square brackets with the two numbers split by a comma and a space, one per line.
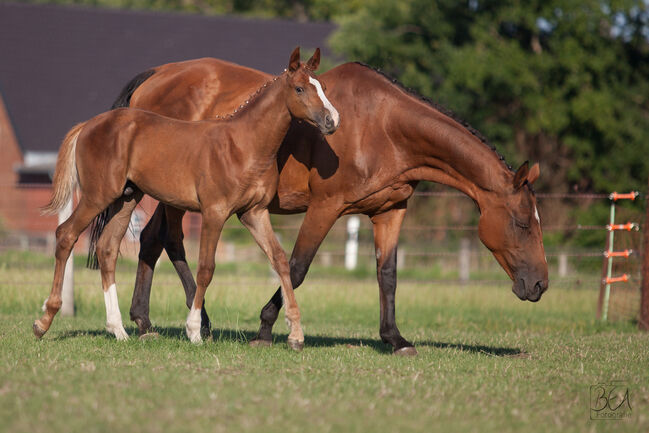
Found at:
[67, 308]
[563, 265]
[351, 247]
[464, 260]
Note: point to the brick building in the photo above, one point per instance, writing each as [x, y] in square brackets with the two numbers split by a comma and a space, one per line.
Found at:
[62, 65]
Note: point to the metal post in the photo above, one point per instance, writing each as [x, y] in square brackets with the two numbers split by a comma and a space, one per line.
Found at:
[643, 323]
[609, 265]
[67, 295]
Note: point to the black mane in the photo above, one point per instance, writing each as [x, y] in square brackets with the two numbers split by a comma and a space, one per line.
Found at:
[445, 111]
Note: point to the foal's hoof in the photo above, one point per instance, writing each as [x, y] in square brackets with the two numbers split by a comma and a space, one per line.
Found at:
[149, 336]
[260, 343]
[295, 344]
[38, 331]
[406, 351]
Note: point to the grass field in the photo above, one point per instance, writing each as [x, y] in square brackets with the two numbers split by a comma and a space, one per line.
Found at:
[487, 361]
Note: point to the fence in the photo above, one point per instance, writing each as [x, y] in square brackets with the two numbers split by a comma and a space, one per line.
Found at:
[439, 243]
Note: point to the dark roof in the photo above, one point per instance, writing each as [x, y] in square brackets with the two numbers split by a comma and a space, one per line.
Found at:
[62, 65]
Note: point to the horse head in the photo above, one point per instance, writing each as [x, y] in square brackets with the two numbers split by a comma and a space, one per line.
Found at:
[511, 228]
[306, 99]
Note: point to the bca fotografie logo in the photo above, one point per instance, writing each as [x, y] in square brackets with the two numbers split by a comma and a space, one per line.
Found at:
[610, 401]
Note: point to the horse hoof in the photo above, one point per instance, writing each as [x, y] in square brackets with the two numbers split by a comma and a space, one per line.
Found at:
[260, 343]
[38, 331]
[406, 351]
[295, 345]
[149, 336]
[206, 334]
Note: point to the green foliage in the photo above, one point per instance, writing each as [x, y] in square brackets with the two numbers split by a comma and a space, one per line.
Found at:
[561, 82]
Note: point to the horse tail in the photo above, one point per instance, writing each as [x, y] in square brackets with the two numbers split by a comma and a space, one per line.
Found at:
[124, 98]
[65, 175]
[100, 221]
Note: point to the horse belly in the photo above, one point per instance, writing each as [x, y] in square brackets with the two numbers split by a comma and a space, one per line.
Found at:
[167, 187]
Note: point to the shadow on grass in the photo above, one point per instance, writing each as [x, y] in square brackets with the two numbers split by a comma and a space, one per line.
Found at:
[243, 337]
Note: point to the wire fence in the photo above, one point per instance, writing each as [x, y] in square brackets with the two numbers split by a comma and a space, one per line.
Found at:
[438, 239]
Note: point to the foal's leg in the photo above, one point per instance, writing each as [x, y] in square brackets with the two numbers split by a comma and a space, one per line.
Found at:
[107, 251]
[173, 244]
[150, 250]
[164, 230]
[257, 220]
[66, 236]
[386, 236]
[317, 223]
[210, 232]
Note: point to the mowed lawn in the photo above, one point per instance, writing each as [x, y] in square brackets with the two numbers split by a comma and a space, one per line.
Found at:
[487, 362]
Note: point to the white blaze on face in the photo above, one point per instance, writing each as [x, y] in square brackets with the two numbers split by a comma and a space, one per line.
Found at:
[538, 219]
[334, 113]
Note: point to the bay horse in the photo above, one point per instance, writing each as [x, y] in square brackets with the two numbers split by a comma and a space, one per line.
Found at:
[215, 167]
[390, 139]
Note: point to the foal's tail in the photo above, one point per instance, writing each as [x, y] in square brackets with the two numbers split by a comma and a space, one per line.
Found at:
[100, 221]
[65, 174]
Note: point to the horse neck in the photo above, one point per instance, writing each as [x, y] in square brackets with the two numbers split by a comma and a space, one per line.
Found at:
[264, 120]
[442, 150]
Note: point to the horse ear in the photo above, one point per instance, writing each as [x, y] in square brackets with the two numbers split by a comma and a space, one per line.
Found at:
[294, 62]
[521, 175]
[314, 61]
[534, 173]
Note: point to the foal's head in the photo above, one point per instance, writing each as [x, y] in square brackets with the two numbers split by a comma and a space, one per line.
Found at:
[305, 94]
[510, 227]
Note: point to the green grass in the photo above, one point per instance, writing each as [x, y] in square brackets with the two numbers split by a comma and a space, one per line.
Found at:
[487, 362]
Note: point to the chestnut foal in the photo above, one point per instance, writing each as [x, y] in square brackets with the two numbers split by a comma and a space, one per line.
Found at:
[217, 167]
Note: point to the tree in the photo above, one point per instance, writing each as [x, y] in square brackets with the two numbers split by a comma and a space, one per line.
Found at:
[562, 82]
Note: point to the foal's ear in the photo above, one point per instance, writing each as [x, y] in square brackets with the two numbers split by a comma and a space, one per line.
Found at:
[521, 175]
[534, 173]
[314, 61]
[294, 62]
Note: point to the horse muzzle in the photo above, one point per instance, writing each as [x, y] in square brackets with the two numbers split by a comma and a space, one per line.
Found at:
[530, 289]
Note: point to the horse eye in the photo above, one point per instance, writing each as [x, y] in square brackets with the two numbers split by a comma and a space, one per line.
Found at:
[521, 225]
[299, 90]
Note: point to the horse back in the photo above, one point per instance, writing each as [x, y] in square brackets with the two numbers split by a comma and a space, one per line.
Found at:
[197, 89]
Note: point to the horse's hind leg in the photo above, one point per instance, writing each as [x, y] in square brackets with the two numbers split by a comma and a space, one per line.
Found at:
[66, 236]
[258, 222]
[107, 251]
[173, 244]
[150, 249]
[164, 230]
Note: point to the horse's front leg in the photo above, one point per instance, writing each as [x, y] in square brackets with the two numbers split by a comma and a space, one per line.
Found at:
[107, 251]
[210, 232]
[257, 221]
[317, 223]
[386, 236]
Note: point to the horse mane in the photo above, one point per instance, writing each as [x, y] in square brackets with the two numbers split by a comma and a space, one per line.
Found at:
[252, 99]
[445, 111]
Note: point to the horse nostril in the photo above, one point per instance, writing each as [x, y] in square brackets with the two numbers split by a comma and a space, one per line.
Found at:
[541, 286]
[329, 122]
